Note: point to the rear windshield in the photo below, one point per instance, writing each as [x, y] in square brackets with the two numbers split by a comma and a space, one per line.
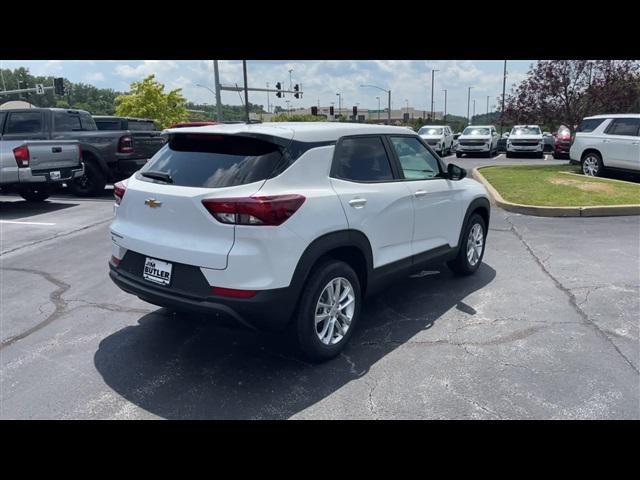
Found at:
[108, 124]
[214, 161]
[430, 131]
[141, 125]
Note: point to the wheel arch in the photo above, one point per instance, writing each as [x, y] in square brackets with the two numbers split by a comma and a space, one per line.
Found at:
[482, 207]
[89, 153]
[591, 150]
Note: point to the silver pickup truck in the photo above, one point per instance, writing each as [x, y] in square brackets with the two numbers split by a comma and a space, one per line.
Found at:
[30, 167]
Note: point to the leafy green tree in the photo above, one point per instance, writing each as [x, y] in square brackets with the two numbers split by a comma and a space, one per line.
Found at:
[148, 100]
[297, 118]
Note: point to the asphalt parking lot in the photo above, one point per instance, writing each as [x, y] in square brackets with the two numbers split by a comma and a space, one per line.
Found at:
[547, 329]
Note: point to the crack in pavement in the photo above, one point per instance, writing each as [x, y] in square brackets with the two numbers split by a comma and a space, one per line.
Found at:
[572, 298]
[54, 237]
[371, 405]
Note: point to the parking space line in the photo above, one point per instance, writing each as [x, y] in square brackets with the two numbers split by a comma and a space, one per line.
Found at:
[27, 223]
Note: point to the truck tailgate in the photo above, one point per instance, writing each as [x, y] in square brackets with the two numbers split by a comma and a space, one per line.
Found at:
[146, 144]
[53, 154]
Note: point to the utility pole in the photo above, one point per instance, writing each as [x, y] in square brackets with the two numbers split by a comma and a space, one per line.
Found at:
[504, 84]
[432, 78]
[378, 108]
[445, 106]
[487, 106]
[468, 104]
[474, 108]
[268, 97]
[290, 81]
[339, 103]
[216, 75]
[246, 91]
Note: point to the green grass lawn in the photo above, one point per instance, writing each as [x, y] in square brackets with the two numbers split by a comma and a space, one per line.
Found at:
[547, 185]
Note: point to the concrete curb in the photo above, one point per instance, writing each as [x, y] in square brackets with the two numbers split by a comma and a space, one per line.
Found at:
[542, 211]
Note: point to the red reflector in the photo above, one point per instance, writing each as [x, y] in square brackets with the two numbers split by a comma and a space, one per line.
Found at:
[232, 292]
[268, 210]
[21, 155]
[115, 261]
[119, 189]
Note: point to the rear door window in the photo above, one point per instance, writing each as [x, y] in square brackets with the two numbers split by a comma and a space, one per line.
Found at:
[141, 125]
[65, 122]
[624, 126]
[362, 159]
[589, 125]
[24, 122]
[214, 161]
[416, 161]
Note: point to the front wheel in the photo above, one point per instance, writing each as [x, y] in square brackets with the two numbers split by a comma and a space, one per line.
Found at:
[37, 193]
[592, 165]
[458, 154]
[471, 249]
[328, 311]
[91, 183]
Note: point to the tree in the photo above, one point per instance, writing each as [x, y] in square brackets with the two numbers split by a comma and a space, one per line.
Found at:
[565, 91]
[148, 100]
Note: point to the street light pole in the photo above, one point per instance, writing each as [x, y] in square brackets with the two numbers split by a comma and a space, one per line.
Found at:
[290, 82]
[468, 104]
[268, 97]
[432, 79]
[339, 104]
[389, 93]
[378, 97]
[216, 75]
[474, 108]
[504, 84]
[246, 91]
[487, 106]
[445, 106]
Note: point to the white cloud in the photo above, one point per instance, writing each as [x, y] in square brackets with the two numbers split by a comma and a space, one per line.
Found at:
[147, 67]
[94, 77]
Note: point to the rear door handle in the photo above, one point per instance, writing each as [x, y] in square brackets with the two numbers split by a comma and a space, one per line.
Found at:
[419, 193]
[56, 149]
[358, 202]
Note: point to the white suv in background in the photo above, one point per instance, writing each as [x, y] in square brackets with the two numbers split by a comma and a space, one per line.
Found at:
[607, 141]
[525, 139]
[290, 224]
[439, 137]
[477, 139]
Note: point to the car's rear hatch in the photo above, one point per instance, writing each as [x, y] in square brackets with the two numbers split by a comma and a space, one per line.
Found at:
[168, 221]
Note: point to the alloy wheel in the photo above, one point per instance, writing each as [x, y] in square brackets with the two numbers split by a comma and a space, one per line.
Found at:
[475, 244]
[334, 311]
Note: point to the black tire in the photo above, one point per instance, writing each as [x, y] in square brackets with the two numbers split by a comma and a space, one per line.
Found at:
[308, 342]
[541, 154]
[509, 155]
[592, 158]
[461, 264]
[458, 154]
[34, 193]
[91, 183]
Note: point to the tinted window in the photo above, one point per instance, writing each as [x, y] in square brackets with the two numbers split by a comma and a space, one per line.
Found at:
[362, 159]
[2, 115]
[138, 125]
[589, 125]
[108, 124]
[416, 161]
[87, 122]
[624, 126]
[24, 122]
[215, 160]
[65, 122]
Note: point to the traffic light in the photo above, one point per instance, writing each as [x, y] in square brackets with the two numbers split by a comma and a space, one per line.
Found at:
[355, 111]
[314, 111]
[297, 89]
[331, 110]
[278, 87]
[58, 86]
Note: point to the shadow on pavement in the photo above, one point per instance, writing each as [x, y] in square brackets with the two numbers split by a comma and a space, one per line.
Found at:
[15, 210]
[182, 367]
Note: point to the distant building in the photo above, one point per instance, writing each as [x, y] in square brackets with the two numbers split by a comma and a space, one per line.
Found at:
[364, 115]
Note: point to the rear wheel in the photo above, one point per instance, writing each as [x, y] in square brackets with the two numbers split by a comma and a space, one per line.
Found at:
[471, 249]
[592, 164]
[458, 154]
[509, 155]
[91, 183]
[328, 311]
[37, 193]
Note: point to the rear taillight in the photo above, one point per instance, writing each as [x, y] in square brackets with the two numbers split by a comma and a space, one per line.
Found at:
[119, 189]
[21, 155]
[232, 292]
[271, 210]
[125, 145]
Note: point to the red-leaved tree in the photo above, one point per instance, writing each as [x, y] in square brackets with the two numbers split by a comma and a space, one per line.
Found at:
[564, 91]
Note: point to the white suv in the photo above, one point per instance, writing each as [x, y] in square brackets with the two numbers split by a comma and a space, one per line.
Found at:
[476, 139]
[291, 224]
[607, 141]
[525, 139]
[439, 137]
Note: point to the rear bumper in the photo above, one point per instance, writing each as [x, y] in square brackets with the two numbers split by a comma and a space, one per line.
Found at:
[22, 175]
[268, 310]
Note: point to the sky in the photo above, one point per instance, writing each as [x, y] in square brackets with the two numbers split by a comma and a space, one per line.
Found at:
[320, 80]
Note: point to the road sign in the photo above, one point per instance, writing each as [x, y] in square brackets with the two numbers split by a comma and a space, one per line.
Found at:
[39, 89]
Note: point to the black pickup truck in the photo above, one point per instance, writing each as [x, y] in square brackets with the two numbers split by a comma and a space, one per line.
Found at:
[108, 156]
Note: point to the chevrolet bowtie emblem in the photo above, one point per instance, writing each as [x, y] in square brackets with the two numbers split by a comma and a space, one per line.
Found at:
[152, 202]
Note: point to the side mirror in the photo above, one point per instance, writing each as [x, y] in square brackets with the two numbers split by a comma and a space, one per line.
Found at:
[455, 172]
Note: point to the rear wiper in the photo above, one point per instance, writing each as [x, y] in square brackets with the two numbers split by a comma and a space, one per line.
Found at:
[156, 175]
